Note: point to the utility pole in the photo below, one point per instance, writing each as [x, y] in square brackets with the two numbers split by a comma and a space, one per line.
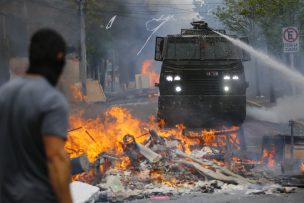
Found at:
[113, 71]
[26, 17]
[272, 94]
[257, 79]
[252, 34]
[83, 57]
[292, 65]
[4, 49]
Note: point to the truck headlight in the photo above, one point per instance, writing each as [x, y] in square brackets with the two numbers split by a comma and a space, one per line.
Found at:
[226, 88]
[169, 78]
[235, 77]
[178, 89]
[227, 77]
[177, 78]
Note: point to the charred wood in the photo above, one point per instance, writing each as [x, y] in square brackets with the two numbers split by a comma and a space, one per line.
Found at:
[209, 173]
[80, 164]
[220, 169]
[136, 151]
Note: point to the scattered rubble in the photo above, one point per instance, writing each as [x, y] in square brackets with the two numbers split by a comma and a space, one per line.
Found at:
[161, 164]
[269, 189]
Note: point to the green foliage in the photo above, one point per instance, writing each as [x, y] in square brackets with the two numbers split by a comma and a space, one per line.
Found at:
[95, 19]
[233, 16]
[269, 15]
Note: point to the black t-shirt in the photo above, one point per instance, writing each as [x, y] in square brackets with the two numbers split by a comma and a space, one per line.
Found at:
[29, 109]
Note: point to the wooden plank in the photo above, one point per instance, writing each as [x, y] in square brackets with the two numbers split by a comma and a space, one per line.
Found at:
[142, 81]
[218, 168]
[95, 92]
[212, 174]
[148, 153]
[18, 66]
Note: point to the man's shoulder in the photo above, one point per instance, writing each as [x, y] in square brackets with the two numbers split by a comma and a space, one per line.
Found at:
[25, 84]
[54, 96]
[57, 96]
[9, 87]
[43, 89]
[40, 91]
[37, 85]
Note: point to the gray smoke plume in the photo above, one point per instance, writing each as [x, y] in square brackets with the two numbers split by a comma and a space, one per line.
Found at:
[287, 108]
[146, 20]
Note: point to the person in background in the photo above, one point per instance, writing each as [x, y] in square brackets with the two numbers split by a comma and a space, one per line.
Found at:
[34, 167]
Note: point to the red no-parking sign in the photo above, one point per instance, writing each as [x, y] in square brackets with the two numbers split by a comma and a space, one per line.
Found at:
[291, 39]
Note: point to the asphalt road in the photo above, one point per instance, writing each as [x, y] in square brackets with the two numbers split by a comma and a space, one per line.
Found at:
[238, 197]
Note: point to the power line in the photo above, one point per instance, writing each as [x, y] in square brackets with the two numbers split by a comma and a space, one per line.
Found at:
[118, 12]
[143, 12]
[172, 3]
[105, 12]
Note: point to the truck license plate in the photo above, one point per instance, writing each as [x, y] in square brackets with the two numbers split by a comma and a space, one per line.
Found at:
[212, 73]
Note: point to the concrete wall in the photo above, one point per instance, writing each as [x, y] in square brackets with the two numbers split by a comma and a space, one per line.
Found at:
[20, 19]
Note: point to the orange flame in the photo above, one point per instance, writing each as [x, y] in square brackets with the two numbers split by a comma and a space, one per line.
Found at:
[302, 168]
[101, 135]
[147, 68]
[77, 93]
[106, 132]
[157, 176]
[219, 138]
[268, 156]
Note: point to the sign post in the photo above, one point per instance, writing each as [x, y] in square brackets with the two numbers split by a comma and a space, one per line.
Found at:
[291, 39]
[291, 42]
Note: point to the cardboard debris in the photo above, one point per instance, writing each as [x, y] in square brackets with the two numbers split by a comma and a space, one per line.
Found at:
[71, 73]
[70, 78]
[80, 164]
[142, 81]
[82, 192]
[113, 182]
[148, 153]
[132, 85]
[95, 92]
[18, 66]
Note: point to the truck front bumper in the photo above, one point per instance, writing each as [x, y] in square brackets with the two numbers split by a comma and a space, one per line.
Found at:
[200, 111]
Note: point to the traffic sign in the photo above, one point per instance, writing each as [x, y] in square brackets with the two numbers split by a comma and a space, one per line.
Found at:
[291, 39]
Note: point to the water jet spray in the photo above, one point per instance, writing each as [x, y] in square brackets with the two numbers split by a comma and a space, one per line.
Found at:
[292, 74]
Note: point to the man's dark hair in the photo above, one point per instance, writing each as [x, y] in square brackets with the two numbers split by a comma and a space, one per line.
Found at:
[47, 55]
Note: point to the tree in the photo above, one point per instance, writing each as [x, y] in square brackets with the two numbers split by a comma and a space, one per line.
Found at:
[120, 42]
[232, 15]
[95, 35]
[269, 15]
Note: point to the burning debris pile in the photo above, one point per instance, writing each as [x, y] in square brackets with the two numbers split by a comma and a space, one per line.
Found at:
[128, 158]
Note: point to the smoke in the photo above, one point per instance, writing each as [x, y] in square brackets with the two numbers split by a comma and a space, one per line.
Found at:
[287, 108]
[20, 19]
[184, 9]
[162, 21]
[182, 12]
[292, 74]
[135, 29]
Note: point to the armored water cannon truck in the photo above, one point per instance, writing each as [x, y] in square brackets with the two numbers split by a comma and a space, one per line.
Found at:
[202, 80]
